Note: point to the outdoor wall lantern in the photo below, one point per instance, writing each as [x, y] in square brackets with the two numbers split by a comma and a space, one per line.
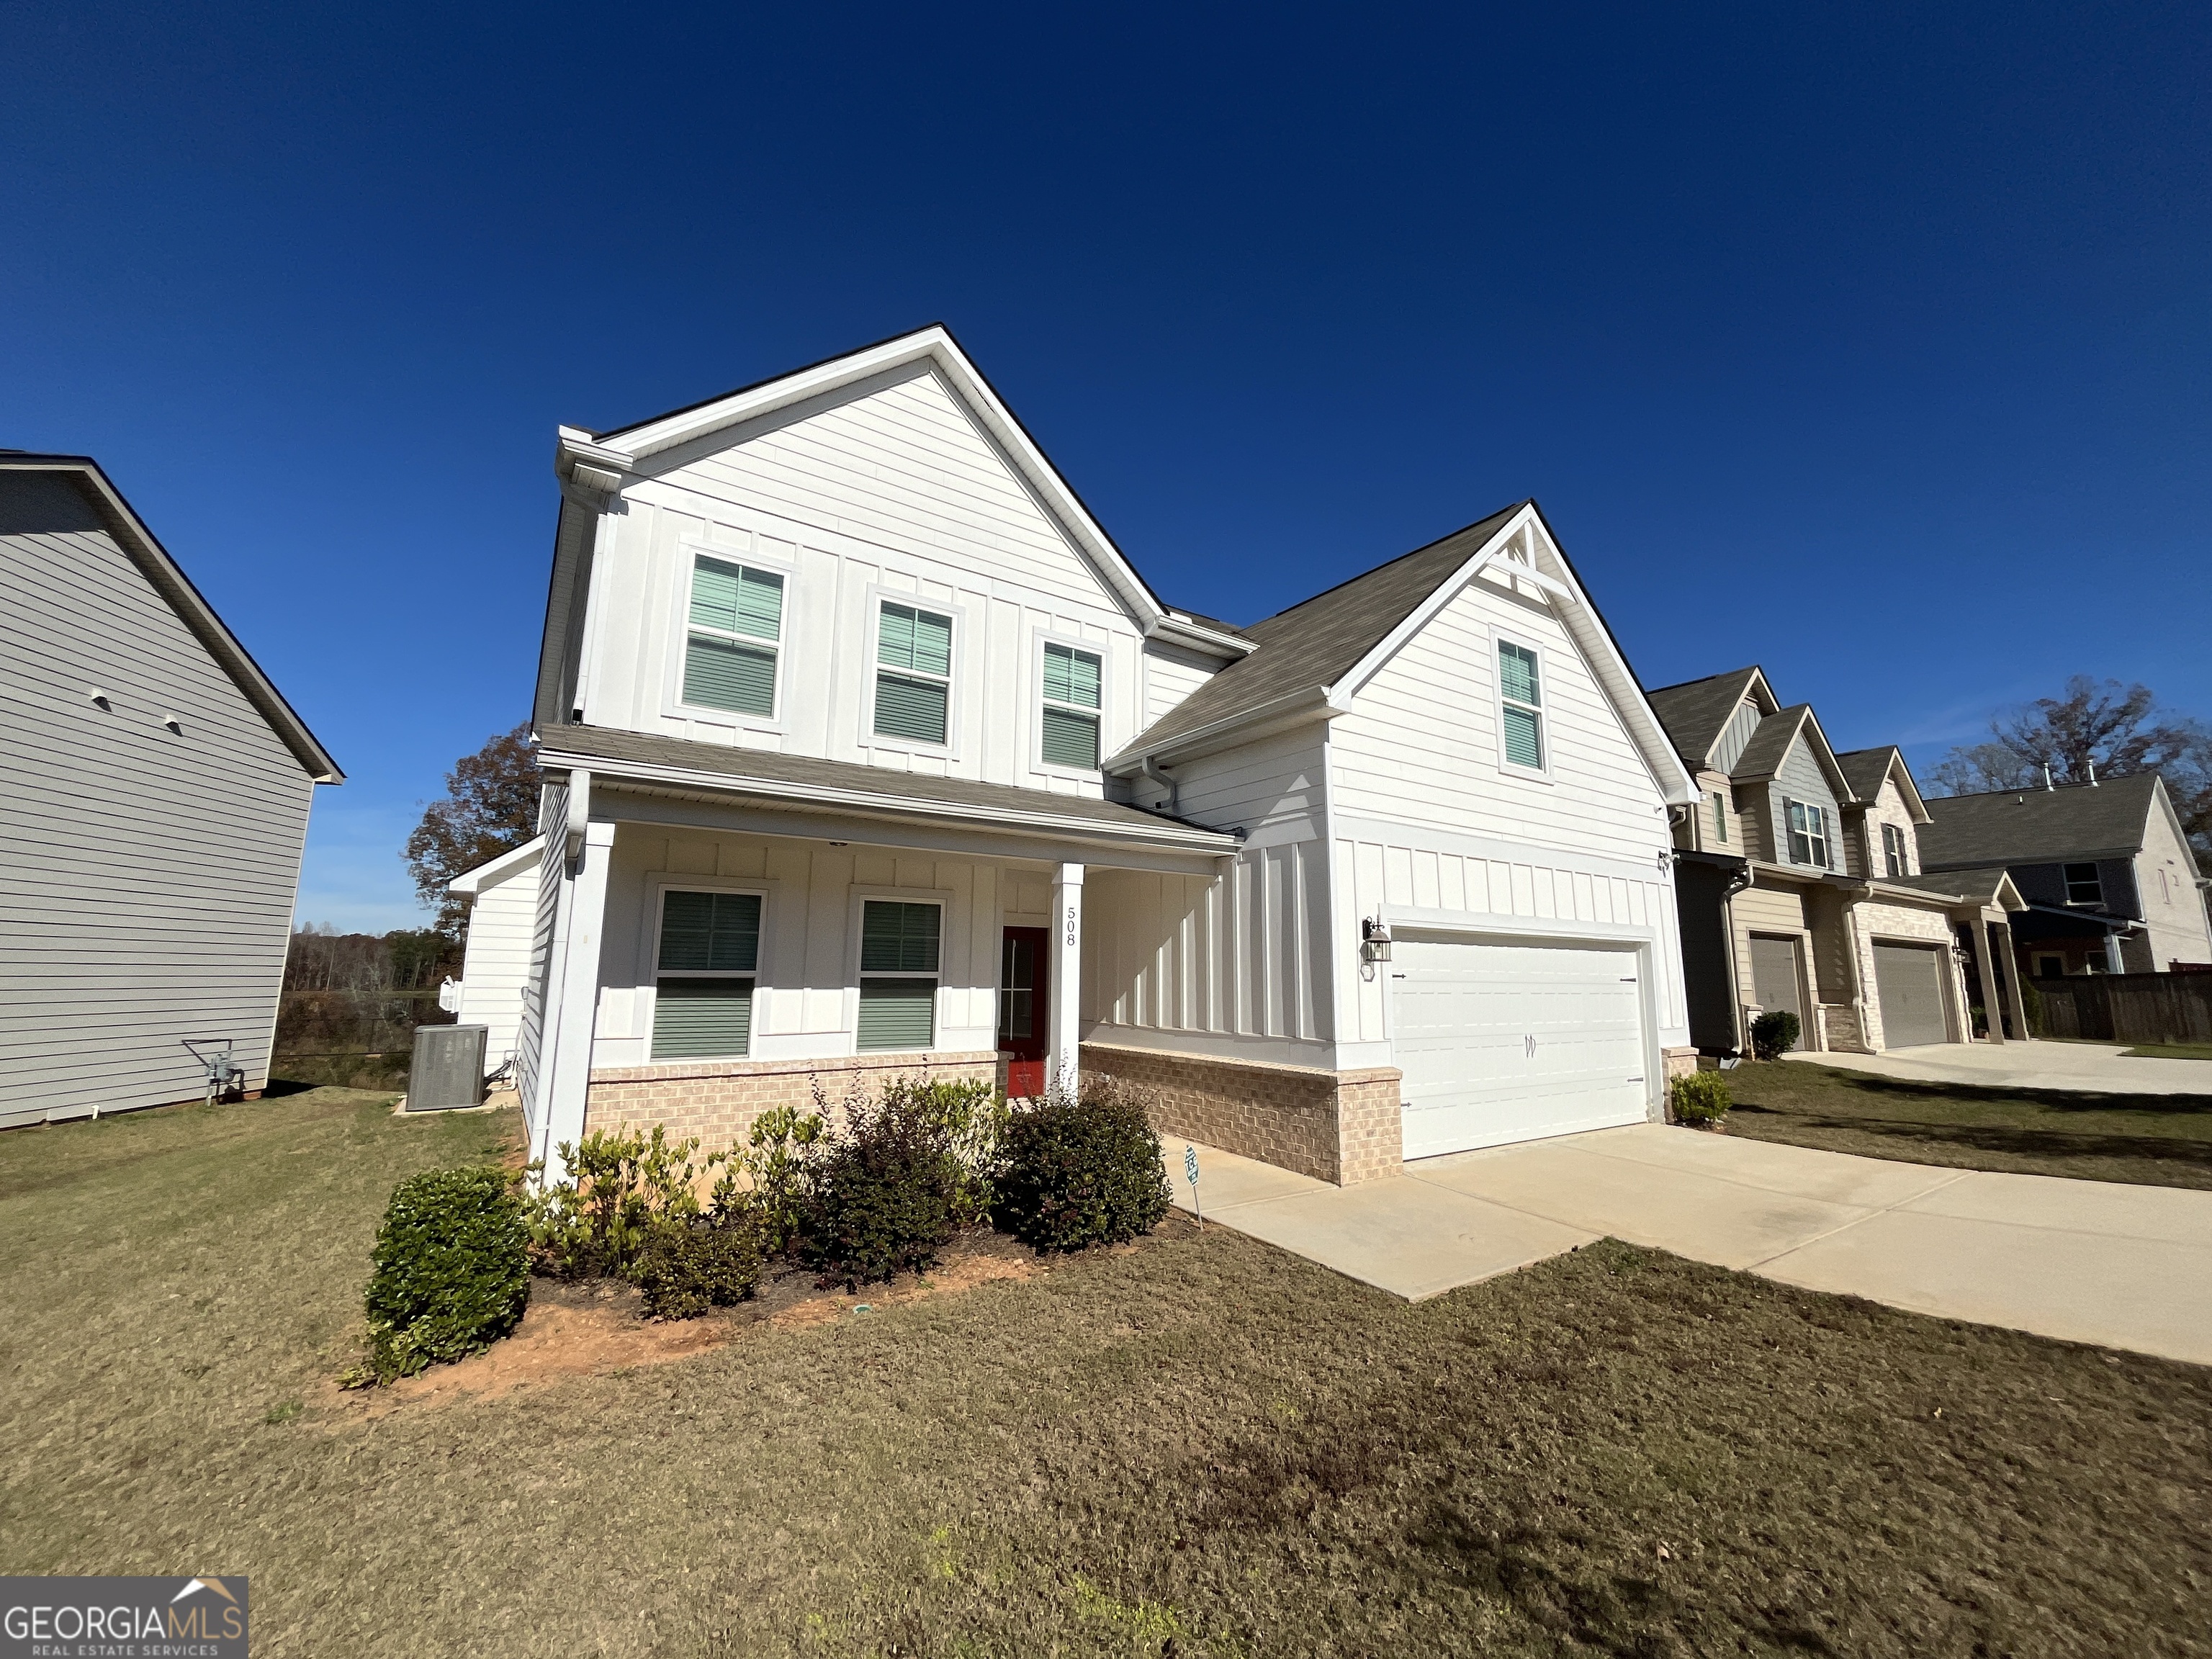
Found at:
[1374, 939]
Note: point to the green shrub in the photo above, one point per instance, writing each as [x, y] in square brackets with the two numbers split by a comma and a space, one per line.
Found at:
[452, 1269]
[1773, 1035]
[2031, 1004]
[1077, 1172]
[971, 1114]
[1699, 1098]
[882, 1195]
[620, 1184]
[771, 1197]
[688, 1266]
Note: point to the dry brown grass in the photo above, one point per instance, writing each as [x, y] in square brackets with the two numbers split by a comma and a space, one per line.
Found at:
[1202, 1446]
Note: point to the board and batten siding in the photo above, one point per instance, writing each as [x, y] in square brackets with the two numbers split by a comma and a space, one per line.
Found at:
[892, 491]
[1430, 831]
[1800, 778]
[147, 876]
[806, 987]
[537, 984]
[495, 965]
[1234, 965]
[1735, 737]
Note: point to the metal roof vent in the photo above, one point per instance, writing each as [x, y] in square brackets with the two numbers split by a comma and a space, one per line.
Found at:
[448, 1073]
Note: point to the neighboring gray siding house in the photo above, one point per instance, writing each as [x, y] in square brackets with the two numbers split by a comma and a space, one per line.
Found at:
[2106, 869]
[156, 788]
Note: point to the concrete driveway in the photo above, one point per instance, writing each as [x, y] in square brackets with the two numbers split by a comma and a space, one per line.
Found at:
[2090, 1067]
[2088, 1260]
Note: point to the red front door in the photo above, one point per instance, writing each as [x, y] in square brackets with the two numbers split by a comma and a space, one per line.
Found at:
[1022, 1010]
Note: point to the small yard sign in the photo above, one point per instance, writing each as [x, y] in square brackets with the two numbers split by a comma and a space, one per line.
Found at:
[1190, 1174]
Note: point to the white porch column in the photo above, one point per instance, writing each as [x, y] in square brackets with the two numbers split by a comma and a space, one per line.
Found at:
[2112, 962]
[1992, 1005]
[570, 1074]
[1065, 976]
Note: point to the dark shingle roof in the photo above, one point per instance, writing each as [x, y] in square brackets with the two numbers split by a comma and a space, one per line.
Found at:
[908, 789]
[1313, 644]
[1696, 712]
[1865, 768]
[1769, 743]
[2037, 826]
[1978, 886]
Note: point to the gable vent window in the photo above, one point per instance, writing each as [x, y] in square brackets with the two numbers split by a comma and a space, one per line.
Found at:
[914, 673]
[1522, 711]
[702, 1005]
[1892, 850]
[1720, 818]
[1809, 835]
[2083, 885]
[898, 976]
[735, 628]
[1071, 708]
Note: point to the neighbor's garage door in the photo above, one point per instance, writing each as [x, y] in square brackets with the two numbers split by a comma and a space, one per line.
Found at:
[1911, 980]
[1504, 1042]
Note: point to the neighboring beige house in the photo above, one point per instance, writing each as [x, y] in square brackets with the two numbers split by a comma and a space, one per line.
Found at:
[2111, 882]
[868, 753]
[1802, 887]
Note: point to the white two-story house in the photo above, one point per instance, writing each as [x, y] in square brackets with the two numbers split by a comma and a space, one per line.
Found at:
[870, 753]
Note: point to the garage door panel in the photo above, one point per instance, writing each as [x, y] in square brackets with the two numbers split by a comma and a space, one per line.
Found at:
[1501, 1042]
[1910, 980]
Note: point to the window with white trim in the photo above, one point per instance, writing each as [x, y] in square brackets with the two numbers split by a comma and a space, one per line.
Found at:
[1892, 850]
[899, 951]
[709, 951]
[2083, 885]
[1808, 835]
[733, 636]
[1072, 680]
[914, 673]
[1720, 818]
[1520, 706]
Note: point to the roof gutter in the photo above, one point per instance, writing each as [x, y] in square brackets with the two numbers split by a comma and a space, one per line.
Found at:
[1313, 699]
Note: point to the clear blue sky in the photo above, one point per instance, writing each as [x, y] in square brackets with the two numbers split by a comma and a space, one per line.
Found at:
[1869, 343]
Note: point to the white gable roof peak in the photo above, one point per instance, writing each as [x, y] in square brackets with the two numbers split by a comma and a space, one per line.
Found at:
[600, 461]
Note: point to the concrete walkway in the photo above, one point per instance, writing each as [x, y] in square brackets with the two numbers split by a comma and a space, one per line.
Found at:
[2090, 1068]
[2089, 1261]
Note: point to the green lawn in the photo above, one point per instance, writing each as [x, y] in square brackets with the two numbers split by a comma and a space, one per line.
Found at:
[2162, 1140]
[2168, 1051]
[1201, 1446]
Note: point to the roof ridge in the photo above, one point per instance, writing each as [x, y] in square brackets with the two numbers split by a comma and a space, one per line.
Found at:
[1376, 570]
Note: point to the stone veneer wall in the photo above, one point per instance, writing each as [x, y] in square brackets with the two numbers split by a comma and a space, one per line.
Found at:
[1677, 1062]
[1344, 1127]
[717, 1100]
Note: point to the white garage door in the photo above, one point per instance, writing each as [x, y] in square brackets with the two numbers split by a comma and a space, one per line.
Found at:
[1504, 1042]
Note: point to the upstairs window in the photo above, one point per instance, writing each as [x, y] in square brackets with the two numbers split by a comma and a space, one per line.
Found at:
[736, 631]
[898, 976]
[1071, 708]
[1809, 835]
[1720, 818]
[703, 989]
[1892, 850]
[914, 673]
[2082, 884]
[1520, 696]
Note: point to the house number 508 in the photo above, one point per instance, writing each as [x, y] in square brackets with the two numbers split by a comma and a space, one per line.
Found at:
[1070, 927]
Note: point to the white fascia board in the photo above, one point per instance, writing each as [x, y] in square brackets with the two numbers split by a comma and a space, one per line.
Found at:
[494, 871]
[1167, 834]
[1676, 787]
[1197, 636]
[1292, 708]
[938, 348]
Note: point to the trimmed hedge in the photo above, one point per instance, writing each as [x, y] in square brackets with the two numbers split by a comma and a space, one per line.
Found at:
[688, 1266]
[1774, 1034]
[1079, 1172]
[451, 1269]
[884, 1196]
[1699, 1098]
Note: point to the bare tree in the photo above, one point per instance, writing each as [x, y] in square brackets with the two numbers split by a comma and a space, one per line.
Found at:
[490, 807]
[2099, 729]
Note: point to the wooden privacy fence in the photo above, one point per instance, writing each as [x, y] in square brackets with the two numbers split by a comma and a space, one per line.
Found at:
[2128, 1007]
